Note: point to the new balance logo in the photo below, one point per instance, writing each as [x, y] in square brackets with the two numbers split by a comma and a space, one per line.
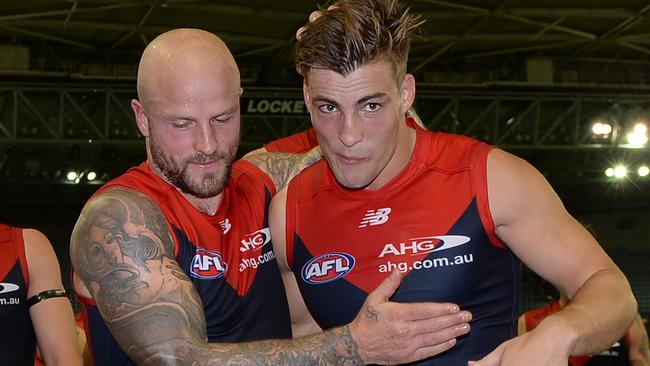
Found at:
[375, 217]
[225, 226]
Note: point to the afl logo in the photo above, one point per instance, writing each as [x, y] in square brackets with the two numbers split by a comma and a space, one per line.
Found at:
[207, 265]
[327, 268]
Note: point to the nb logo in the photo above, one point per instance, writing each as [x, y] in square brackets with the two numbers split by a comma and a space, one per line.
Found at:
[225, 226]
[375, 217]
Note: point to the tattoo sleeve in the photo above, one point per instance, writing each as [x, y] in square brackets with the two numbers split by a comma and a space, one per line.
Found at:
[644, 346]
[122, 250]
[281, 167]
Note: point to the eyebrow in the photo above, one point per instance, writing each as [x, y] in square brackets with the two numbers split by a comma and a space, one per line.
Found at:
[370, 97]
[359, 102]
[174, 117]
[231, 110]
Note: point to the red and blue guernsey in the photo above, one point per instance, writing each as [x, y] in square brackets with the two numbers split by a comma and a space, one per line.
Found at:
[17, 338]
[228, 257]
[432, 222]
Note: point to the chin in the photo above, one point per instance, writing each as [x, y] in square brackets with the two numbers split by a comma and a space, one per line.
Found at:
[353, 183]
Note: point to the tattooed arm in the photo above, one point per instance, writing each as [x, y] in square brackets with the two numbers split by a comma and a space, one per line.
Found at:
[281, 167]
[639, 350]
[123, 255]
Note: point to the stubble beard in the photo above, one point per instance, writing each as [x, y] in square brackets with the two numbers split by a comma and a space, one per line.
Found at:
[177, 172]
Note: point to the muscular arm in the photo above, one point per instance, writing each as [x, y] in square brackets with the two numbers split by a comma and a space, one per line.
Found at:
[531, 220]
[122, 250]
[52, 318]
[281, 167]
[639, 350]
[302, 323]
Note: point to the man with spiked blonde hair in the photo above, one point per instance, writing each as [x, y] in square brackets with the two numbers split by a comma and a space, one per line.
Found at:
[453, 214]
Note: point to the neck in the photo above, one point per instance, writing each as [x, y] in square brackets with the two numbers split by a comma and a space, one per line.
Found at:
[400, 159]
[206, 205]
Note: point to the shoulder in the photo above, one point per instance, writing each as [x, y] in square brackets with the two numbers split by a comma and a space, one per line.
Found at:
[118, 209]
[37, 246]
[35, 238]
[43, 265]
[310, 180]
[451, 151]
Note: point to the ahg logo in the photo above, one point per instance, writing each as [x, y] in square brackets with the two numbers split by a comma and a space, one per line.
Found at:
[8, 287]
[426, 244]
[256, 240]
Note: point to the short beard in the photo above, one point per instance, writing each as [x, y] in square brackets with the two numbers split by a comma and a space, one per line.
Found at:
[176, 173]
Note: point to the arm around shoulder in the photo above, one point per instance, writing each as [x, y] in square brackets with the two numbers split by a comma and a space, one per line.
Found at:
[123, 255]
[639, 350]
[280, 166]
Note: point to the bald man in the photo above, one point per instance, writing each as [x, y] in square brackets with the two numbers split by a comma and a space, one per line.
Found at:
[171, 261]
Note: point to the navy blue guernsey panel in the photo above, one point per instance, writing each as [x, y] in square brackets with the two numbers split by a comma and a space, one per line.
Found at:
[476, 275]
[17, 338]
[261, 314]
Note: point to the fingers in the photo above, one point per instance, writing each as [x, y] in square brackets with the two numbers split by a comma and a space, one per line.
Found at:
[425, 310]
[315, 15]
[458, 322]
[386, 289]
[312, 17]
[430, 351]
[405, 348]
[437, 337]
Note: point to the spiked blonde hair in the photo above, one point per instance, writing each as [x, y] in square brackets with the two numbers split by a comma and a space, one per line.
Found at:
[353, 33]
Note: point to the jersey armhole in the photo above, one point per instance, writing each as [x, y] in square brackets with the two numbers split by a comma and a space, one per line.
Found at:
[481, 189]
[19, 239]
[290, 220]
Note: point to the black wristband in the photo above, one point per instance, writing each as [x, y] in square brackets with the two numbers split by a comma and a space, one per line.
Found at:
[44, 296]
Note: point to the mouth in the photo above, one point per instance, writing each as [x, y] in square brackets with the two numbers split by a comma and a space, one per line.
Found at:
[350, 160]
[207, 164]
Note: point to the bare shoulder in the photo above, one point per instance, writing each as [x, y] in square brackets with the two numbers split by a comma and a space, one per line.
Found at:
[515, 186]
[37, 245]
[122, 230]
[506, 167]
[43, 265]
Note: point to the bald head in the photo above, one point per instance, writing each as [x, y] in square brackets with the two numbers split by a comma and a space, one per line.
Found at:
[183, 60]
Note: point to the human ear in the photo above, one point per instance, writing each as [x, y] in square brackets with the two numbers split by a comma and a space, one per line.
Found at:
[140, 117]
[408, 92]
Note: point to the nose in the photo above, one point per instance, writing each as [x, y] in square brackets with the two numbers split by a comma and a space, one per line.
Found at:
[351, 131]
[205, 139]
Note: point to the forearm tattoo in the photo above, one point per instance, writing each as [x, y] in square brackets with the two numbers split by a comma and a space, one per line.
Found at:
[122, 250]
